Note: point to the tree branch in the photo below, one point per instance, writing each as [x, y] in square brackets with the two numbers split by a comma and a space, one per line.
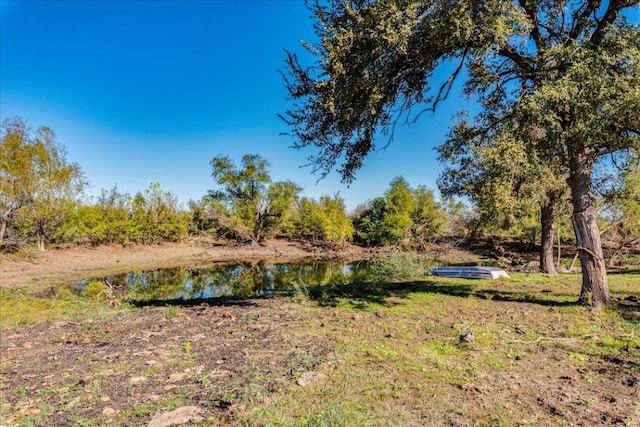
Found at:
[520, 61]
[615, 6]
[532, 14]
[590, 252]
[447, 85]
[581, 19]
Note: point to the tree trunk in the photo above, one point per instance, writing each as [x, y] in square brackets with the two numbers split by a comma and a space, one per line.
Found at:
[558, 260]
[547, 216]
[40, 242]
[258, 228]
[41, 234]
[595, 287]
[6, 216]
[3, 229]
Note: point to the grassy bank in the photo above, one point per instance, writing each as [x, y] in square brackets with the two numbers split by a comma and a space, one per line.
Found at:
[432, 351]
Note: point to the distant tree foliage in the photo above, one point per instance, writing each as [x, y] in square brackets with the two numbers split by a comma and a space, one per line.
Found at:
[324, 220]
[622, 207]
[41, 199]
[254, 206]
[566, 73]
[149, 217]
[38, 185]
[404, 215]
[156, 216]
[203, 216]
[106, 222]
[375, 225]
[428, 217]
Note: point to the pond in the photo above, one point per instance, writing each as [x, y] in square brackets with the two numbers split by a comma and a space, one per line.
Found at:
[239, 280]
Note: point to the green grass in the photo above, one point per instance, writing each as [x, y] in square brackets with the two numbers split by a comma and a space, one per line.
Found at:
[395, 356]
[385, 366]
[20, 307]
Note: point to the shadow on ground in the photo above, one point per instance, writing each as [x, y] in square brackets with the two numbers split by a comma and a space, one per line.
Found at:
[362, 295]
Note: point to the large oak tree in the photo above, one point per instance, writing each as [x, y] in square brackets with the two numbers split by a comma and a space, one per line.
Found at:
[568, 72]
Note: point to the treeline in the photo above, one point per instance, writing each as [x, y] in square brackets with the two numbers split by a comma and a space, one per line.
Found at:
[43, 202]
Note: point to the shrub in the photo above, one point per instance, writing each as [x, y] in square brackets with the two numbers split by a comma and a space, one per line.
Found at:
[401, 266]
[96, 290]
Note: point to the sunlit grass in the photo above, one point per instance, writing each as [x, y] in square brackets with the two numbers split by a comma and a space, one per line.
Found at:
[20, 307]
[396, 354]
[400, 348]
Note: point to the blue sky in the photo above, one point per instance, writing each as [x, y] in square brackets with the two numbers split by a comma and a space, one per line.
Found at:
[142, 92]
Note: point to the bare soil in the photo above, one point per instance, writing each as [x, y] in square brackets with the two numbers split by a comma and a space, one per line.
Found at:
[125, 368]
[115, 372]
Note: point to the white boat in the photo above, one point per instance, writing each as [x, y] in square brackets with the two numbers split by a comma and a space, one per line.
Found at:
[470, 272]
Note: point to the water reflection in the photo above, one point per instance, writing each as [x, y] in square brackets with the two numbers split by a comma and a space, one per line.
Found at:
[234, 280]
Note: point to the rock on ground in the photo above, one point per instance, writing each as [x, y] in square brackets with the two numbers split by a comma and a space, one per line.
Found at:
[183, 415]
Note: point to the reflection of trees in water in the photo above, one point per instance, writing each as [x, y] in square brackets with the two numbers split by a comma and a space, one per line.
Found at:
[241, 279]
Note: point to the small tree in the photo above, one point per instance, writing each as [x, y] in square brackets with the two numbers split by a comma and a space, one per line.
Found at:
[38, 185]
[203, 215]
[310, 219]
[506, 179]
[374, 226]
[156, 216]
[254, 206]
[402, 204]
[338, 226]
[404, 214]
[428, 217]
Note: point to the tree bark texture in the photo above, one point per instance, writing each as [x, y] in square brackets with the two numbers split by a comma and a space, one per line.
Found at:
[3, 229]
[6, 216]
[595, 286]
[258, 228]
[546, 248]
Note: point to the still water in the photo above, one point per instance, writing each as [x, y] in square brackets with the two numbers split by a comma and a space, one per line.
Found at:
[232, 280]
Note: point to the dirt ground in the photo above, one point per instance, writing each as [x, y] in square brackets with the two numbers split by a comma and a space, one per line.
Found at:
[43, 359]
[127, 369]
